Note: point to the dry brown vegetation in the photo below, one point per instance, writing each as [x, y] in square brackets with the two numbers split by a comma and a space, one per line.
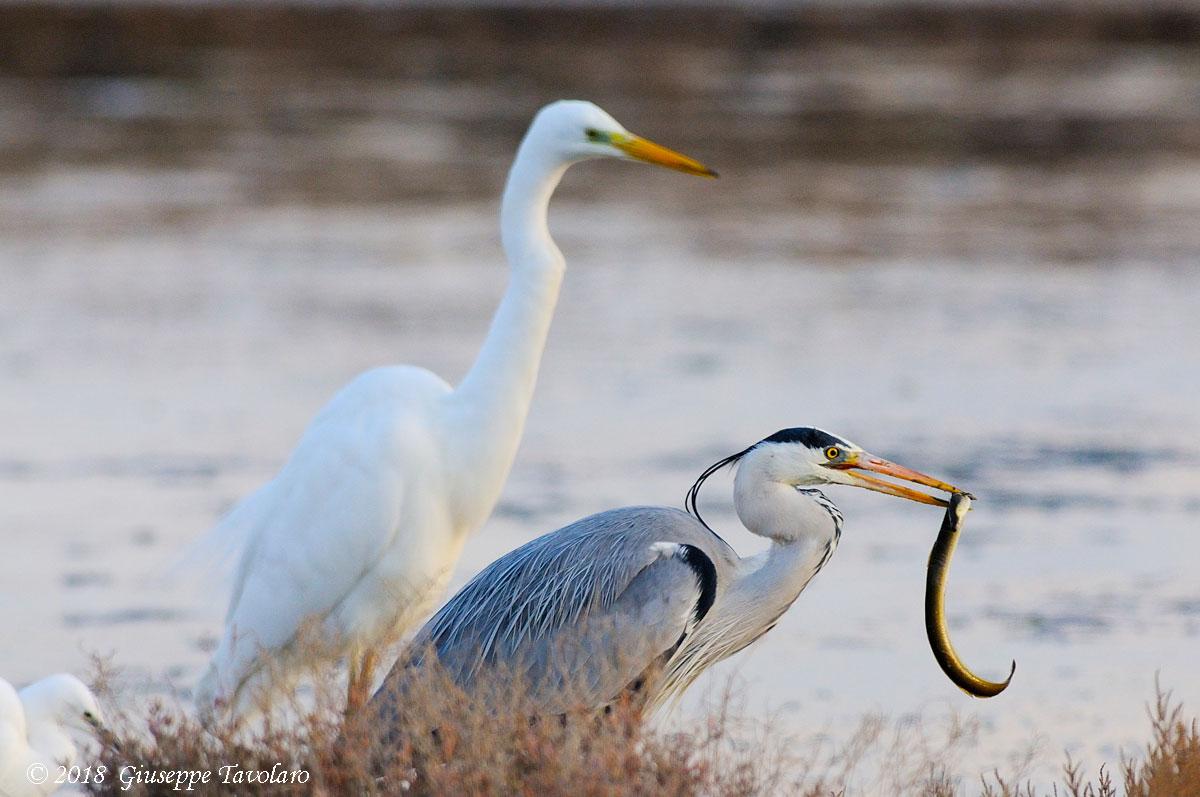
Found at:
[447, 744]
[1170, 766]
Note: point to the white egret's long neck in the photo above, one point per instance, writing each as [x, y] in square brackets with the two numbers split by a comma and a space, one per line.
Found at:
[489, 407]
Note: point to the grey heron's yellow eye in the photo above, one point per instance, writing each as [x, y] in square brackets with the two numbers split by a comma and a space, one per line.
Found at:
[832, 452]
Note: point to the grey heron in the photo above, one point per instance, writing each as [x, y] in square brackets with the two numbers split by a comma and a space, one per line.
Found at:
[356, 536]
[646, 598]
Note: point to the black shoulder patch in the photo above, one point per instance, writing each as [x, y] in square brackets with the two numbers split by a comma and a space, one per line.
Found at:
[806, 436]
[706, 577]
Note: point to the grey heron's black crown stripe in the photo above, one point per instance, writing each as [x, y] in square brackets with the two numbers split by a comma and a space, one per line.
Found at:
[806, 436]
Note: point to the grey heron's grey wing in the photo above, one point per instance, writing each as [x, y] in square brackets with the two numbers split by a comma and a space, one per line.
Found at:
[628, 579]
[613, 646]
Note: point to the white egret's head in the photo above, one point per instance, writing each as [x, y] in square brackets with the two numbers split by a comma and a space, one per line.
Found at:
[64, 700]
[576, 130]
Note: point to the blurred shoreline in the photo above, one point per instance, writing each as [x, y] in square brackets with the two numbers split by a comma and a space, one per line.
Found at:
[1078, 124]
[897, 83]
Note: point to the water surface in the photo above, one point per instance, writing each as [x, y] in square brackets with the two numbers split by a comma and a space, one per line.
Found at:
[1023, 327]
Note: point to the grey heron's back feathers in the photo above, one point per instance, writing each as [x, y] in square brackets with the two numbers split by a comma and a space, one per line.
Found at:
[592, 605]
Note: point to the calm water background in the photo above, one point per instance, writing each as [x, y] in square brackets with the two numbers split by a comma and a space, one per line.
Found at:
[964, 239]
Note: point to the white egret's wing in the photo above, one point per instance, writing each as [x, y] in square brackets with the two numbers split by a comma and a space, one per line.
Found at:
[208, 559]
[326, 518]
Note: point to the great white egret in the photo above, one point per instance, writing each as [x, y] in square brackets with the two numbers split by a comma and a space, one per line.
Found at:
[35, 727]
[643, 599]
[357, 534]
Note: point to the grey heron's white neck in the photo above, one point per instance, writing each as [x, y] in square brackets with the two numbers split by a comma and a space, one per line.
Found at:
[780, 511]
[804, 533]
[804, 528]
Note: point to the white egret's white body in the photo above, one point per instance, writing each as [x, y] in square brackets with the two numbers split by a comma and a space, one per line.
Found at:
[359, 531]
[35, 728]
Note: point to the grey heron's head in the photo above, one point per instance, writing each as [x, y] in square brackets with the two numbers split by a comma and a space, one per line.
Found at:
[804, 456]
[808, 457]
[575, 130]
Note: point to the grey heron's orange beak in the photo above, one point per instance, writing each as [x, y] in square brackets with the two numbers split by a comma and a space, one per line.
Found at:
[864, 461]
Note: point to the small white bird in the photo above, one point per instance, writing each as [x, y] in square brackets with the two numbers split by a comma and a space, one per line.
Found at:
[357, 535]
[35, 727]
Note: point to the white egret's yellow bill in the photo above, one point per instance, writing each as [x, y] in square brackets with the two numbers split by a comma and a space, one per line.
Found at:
[648, 151]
